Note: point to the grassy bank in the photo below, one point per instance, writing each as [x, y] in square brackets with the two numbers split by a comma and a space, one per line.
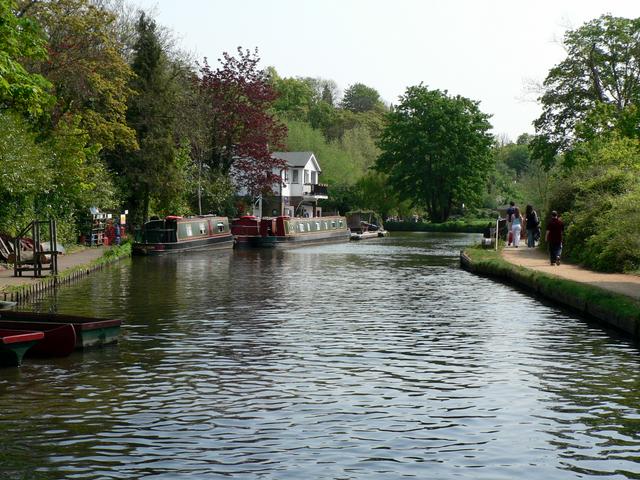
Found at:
[611, 308]
[111, 255]
[453, 226]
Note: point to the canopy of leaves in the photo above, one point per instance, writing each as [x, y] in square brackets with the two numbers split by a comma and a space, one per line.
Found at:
[84, 64]
[602, 68]
[360, 98]
[241, 130]
[20, 39]
[436, 150]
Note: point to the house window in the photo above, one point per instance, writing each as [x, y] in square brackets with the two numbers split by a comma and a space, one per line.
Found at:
[294, 178]
[286, 176]
[314, 177]
[306, 176]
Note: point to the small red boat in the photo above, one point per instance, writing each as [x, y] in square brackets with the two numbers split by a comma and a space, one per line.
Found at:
[89, 331]
[59, 338]
[14, 344]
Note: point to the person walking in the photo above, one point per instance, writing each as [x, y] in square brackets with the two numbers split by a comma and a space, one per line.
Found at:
[553, 237]
[532, 224]
[510, 212]
[516, 227]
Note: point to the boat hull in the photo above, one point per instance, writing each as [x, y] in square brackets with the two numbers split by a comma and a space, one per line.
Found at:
[293, 241]
[14, 344]
[59, 338]
[211, 243]
[90, 332]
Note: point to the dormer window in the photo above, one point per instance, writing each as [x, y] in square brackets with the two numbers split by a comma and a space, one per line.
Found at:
[314, 177]
[306, 176]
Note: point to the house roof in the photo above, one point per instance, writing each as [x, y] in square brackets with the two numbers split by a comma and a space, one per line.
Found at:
[297, 159]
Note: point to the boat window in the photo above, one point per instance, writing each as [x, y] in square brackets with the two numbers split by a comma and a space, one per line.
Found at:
[188, 230]
[340, 224]
[333, 224]
[301, 227]
[220, 226]
[317, 225]
[287, 227]
[308, 227]
[202, 228]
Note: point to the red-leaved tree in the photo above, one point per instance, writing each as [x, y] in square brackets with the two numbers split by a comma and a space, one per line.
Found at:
[241, 131]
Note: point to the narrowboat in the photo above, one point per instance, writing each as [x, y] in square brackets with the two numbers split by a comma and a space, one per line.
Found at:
[178, 234]
[59, 338]
[89, 331]
[14, 344]
[284, 231]
[365, 224]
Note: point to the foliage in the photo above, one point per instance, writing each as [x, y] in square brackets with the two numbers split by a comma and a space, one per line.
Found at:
[84, 64]
[149, 173]
[597, 202]
[360, 98]
[242, 131]
[436, 150]
[24, 174]
[21, 39]
[453, 226]
[601, 73]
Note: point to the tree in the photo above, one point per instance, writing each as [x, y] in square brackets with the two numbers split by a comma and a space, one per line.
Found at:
[20, 39]
[84, 64]
[150, 172]
[360, 98]
[602, 68]
[242, 132]
[436, 150]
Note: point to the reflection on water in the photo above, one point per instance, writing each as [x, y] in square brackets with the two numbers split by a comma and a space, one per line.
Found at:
[372, 360]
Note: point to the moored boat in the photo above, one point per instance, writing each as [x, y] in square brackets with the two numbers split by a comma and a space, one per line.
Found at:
[89, 331]
[178, 234]
[59, 338]
[365, 224]
[284, 231]
[14, 344]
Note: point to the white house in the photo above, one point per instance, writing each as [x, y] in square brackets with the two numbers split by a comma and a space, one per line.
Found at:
[300, 190]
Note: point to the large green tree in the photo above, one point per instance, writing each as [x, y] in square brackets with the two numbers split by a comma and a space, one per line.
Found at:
[436, 150]
[593, 89]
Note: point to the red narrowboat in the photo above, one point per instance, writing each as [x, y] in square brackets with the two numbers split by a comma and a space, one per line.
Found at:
[59, 338]
[284, 231]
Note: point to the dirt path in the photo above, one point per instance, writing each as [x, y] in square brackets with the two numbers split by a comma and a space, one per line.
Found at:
[64, 262]
[536, 259]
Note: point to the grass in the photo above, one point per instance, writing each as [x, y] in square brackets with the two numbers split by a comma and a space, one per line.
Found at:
[576, 294]
[477, 225]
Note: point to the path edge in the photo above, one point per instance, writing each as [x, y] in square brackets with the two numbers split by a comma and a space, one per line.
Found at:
[596, 306]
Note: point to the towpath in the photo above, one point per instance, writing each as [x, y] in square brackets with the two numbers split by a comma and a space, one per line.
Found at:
[65, 262]
[536, 259]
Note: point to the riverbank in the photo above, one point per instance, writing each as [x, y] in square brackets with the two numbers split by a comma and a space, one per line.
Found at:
[71, 267]
[453, 226]
[612, 299]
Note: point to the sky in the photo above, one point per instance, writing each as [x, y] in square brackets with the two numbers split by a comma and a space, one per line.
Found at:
[492, 51]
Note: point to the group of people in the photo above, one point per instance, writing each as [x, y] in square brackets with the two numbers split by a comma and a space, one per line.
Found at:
[530, 223]
[112, 232]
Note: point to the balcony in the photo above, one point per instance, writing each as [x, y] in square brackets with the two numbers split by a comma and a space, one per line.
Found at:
[316, 191]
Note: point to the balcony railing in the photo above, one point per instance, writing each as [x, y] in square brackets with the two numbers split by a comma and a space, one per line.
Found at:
[318, 190]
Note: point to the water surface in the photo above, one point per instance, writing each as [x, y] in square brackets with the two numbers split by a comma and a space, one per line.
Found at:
[372, 360]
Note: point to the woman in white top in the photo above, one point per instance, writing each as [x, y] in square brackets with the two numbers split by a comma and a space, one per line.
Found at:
[516, 227]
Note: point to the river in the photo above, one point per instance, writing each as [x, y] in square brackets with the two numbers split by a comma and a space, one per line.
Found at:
[373, 360]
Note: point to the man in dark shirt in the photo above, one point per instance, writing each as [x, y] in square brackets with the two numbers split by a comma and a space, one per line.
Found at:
[553, 236]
